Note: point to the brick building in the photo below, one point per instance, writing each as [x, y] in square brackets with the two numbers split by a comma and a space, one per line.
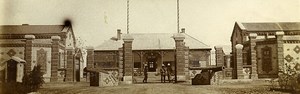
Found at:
[51, 46]
[126, 54]
[262, 50]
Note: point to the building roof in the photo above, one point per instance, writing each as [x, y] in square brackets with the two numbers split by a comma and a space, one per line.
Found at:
[153, 41]
[269, 26]
[32, 29]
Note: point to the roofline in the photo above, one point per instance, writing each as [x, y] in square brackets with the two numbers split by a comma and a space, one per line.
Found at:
[242, 27]
[34, 25]
[196, 39]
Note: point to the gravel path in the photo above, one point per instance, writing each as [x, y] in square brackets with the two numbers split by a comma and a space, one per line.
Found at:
[157, 88]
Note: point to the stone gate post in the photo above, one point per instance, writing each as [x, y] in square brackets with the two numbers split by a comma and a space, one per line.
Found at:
[128, 61]
[54, 58]
[180, 59]
[28, 52]
[239, 61]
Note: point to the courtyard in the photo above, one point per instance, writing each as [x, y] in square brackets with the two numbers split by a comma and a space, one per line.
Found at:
[255, 87]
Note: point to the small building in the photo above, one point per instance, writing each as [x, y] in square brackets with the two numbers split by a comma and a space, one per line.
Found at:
[262, 50]
[127, 54]
[50, 46]
[13, 69]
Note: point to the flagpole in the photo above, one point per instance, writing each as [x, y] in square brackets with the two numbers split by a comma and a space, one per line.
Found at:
[127, 16]
[176, 48]
[178, 16]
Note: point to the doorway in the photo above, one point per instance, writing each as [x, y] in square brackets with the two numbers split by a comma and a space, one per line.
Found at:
[152, 61]
[11, 70]
[152, 66]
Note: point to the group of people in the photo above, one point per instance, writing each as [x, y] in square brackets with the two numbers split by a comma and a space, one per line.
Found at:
[164, 71]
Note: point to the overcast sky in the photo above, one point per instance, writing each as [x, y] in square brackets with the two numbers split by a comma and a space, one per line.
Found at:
[210, 21]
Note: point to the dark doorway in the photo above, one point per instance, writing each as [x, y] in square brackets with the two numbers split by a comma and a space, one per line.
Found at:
[152, 61]
[77, 70]
[152, 66]
[77, 75]
[2, 75]
[11, 70]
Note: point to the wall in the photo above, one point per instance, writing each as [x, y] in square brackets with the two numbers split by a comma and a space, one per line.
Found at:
[200, 55]
[106, 59]
[70, 40]
[15, 51]
[291, 55]
[48, 60]
[273, 67]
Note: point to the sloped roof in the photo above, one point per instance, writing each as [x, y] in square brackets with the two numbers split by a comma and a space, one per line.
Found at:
[269, 26]
[153, 41]
[31, 29]
[18, 59]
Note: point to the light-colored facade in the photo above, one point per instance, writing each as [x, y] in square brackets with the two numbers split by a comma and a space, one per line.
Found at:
[50, 46]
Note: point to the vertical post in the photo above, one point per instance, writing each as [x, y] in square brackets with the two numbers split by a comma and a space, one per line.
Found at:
[252, 37]
[121, 69]
[90, 60]
[70, 64]
[177, 16]
[54, 58]
[228, 61]
[127, 16]
[180, 64]
[219, 56]
[28, 52]
[220, 60]
[239, 61]
[128, 62]
[186, 63]
[142, 63]
[227, 73]
[280, 60]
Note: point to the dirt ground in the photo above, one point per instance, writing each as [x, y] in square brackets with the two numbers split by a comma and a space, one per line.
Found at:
[159, 88]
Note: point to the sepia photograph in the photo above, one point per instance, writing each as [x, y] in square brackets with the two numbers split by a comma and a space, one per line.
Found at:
[149, 47]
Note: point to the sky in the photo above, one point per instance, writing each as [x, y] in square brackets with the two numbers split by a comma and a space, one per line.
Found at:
[94, 21]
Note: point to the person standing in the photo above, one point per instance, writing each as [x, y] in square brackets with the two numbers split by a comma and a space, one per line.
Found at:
[163, 74]
[169, 71]
[145, 74]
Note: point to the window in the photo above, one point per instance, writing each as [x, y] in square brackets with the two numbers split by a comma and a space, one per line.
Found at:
[137, 64]
[194, 64]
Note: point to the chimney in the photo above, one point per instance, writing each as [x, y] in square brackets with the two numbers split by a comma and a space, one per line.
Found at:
[119, 34]
[182, 30]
